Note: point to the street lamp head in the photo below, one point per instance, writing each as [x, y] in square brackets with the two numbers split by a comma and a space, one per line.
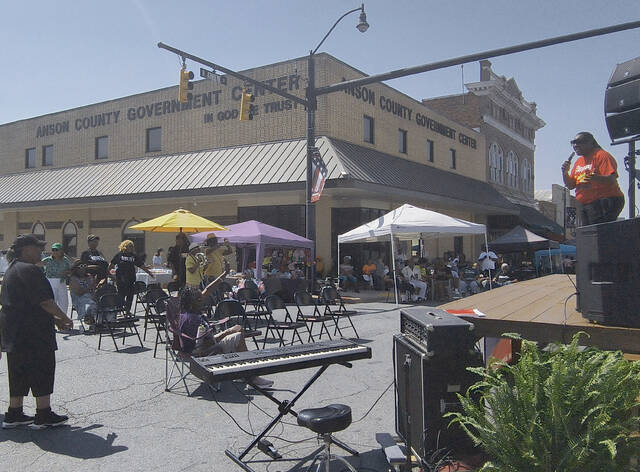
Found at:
[363, 25]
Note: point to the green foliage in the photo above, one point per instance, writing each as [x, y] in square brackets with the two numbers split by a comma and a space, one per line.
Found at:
[563, 409]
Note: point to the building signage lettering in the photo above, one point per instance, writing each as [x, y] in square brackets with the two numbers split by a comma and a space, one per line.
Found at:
[200, 100]
[396, 108]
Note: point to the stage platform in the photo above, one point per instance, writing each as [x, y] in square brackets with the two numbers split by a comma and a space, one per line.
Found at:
[536, 310]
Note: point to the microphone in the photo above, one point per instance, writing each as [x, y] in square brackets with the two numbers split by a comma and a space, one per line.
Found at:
[571, 156]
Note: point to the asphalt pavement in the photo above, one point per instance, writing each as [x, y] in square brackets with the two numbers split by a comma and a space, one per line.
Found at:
[121, 418]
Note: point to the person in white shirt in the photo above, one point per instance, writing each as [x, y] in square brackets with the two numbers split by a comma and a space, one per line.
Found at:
[487, 259]
[413, 275]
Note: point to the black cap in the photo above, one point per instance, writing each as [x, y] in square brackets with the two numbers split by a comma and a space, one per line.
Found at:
[93, 237]
[25, 240]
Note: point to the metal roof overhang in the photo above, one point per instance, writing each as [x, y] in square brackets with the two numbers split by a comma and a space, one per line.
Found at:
[267, 167]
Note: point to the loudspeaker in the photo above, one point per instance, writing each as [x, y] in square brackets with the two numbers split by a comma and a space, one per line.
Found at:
[622, 97]
[426, 388]
[608, 272]
[625, 72]
[622, 100]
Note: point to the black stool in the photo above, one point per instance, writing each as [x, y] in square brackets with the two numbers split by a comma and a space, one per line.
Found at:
[324, 421]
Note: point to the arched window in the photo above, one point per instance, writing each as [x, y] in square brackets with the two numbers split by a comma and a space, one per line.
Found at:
[525, 175]
[134, 235]
[39, 231]
[70, 239]
[496, 160]
[512, 169]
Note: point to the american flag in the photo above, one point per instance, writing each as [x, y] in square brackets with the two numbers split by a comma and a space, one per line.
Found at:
[320, 173]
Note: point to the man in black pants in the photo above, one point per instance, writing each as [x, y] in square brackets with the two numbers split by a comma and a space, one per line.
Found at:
[27, 335]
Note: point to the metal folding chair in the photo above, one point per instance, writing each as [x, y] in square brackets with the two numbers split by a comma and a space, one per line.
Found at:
[234, 309]
[329, 297]
[305, 299]
[112, 320]
[275, 305]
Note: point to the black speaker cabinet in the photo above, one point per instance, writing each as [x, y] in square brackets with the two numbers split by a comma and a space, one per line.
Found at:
[608, 272]
[426, 388]
[622, 100]
[625, 72]
[621, 125]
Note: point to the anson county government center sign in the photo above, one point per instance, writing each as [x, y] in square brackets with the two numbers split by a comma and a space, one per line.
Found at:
[208, 101]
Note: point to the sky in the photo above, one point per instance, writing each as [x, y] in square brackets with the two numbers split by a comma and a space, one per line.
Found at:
[64, 54]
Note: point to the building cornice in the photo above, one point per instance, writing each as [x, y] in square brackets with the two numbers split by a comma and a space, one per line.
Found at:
[490, 120]
[499, 94]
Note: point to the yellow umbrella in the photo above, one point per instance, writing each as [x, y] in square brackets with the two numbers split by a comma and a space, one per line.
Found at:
[179, 221]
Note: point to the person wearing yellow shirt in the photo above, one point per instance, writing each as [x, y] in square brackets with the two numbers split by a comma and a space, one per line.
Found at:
[193, 267]
[215, 256]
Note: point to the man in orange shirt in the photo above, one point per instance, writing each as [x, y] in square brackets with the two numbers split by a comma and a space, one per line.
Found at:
[595, 178]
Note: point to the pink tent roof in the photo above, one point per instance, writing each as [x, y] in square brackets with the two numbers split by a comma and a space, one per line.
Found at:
[254, 232]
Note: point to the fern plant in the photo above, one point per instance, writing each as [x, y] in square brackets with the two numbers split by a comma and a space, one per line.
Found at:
[564, 409]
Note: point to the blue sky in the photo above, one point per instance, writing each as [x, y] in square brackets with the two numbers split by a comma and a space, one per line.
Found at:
[64, 54]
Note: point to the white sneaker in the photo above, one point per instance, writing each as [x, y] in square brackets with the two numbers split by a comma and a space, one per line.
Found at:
[261, 382]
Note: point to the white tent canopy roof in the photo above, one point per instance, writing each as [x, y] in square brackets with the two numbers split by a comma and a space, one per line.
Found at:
[409, 222]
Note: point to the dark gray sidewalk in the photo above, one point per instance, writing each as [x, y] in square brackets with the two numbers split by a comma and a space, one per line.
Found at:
[122, 419]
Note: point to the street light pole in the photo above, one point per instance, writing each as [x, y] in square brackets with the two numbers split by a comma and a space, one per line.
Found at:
[310, 213]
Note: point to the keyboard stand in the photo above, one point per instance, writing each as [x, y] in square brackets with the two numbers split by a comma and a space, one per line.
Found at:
[284, 407]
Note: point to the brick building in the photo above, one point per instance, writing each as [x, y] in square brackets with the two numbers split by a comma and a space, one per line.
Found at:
[103, 167]
[496, 108]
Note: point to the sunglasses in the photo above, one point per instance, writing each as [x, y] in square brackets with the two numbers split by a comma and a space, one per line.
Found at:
[579, 141]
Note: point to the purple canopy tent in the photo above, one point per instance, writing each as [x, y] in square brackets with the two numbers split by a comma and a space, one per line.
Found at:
[250, 233]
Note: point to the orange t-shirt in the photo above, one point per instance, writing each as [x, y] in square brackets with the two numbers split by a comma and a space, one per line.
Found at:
[368, 269]
[600, 163]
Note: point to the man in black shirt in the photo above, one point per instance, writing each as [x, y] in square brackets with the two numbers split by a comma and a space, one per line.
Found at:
[27, 335]
[95, 260]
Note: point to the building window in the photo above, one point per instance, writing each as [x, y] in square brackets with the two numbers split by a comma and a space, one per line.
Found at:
[39, 231]
[512, 169]
[368, 129]
[70, 239]
[430, 150]
[402, 141]
[452, 154]
[47, 155]
[154, 139]
[102, 147]
[30, 158]
[526, 176]
[134, 235]
[496, 158]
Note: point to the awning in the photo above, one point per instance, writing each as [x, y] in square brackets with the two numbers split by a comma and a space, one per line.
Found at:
[539, 223]
[262, 167]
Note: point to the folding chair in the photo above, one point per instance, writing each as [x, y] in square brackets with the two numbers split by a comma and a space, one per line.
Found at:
[148, 302]
[233, 308]
[111, 319]
[251, 298]
[329, 297]
[174, 345]
[159, 320]
[173, 288]
[273, 303]
[305, 299]
[139, 289]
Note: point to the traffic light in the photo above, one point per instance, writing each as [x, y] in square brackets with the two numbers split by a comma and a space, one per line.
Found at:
[184, 87]
[245, 106]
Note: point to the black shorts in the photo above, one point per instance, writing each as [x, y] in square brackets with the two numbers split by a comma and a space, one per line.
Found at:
[33, 371]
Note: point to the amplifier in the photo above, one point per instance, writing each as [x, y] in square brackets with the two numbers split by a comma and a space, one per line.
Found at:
[426, 389]
[439, 332]
[608, 272]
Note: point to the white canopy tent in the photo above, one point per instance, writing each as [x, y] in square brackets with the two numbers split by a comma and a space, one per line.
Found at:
[409, 222]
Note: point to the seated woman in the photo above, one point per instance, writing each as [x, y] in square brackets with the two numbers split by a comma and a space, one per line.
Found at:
[190, 321]
[346, 275]
[82, 286]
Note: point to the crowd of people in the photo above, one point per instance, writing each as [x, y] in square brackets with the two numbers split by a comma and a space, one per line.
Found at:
[417, 278]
